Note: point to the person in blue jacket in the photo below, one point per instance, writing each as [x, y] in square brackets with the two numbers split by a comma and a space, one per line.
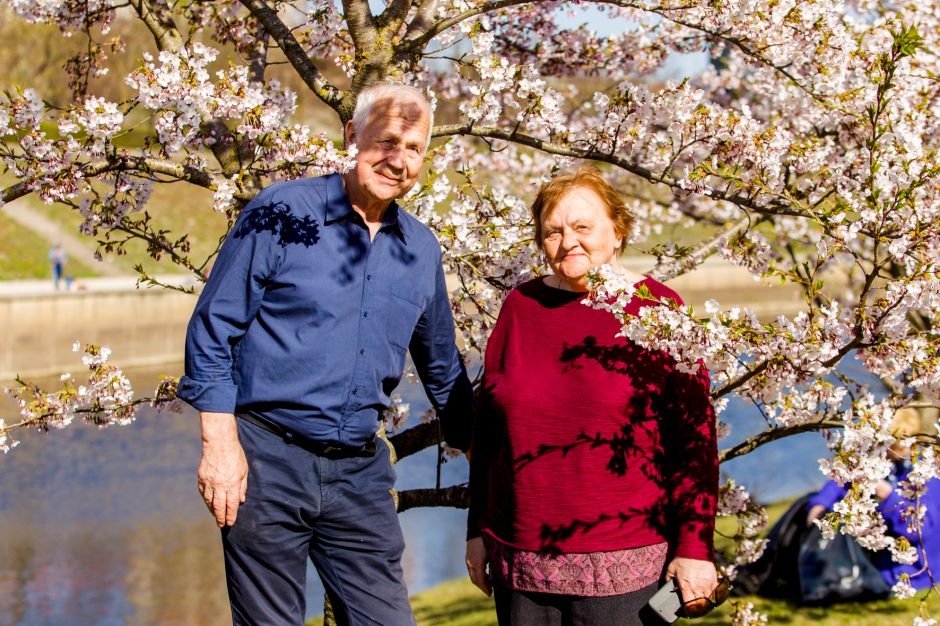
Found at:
[927, 541]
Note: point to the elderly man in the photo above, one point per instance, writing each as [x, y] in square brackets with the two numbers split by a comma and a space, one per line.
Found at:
[296, 343]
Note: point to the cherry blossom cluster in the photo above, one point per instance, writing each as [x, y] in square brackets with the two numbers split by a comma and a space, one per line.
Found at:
[860, 460]
[125, 195]
[105, 398]
[396, 414]
[69, 15]
[486, 236]
[97, 118]
[179, 87]
[505, 85]
[734, 500]
[746, 615]
[7, 442]
[323, 34]
[45, 165]
[820, 400]
[735, 343]
[227, 22]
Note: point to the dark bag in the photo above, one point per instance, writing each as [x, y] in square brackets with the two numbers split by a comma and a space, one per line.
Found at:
[837, 570]
[776, 573]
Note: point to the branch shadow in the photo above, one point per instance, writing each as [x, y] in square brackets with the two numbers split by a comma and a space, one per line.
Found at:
[652, 413]
[280, 221]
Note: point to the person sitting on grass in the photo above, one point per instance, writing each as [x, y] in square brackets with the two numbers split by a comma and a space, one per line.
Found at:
[893, 506]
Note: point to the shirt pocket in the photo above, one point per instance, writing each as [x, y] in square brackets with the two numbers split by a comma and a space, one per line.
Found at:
[401, 321]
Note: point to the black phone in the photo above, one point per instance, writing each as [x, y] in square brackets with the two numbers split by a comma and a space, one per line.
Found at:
[666, 602]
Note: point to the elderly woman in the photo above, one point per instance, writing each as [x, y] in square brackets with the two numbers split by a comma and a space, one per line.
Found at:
[594, 465]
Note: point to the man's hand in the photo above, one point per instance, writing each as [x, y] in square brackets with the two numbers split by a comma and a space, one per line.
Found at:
[696, 578]
[477, 564]
[223, 470]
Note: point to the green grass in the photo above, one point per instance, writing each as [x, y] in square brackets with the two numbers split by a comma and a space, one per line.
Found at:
[180, 208]
[24, 255]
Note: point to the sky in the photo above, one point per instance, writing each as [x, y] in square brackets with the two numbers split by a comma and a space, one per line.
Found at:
[677, 66]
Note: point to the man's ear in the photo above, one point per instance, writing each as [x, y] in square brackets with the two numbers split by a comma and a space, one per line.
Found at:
[349, 135]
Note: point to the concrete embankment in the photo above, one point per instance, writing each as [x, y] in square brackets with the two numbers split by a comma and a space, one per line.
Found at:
[141, 326]
[146, 327]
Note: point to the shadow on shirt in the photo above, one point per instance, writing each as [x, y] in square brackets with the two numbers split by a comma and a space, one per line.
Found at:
[277, 219]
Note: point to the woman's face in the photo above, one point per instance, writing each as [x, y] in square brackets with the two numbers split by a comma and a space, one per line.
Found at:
[579, 235]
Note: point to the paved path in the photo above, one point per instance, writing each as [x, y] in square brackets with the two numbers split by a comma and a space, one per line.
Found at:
[104, 284]
[77, 246]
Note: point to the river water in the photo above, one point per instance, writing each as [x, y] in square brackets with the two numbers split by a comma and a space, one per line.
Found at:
[105, 527]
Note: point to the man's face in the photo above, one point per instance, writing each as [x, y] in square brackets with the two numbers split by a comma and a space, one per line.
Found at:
[391, 151]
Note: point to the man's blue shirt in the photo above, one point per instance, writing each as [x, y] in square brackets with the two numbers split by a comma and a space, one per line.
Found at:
[306, 322]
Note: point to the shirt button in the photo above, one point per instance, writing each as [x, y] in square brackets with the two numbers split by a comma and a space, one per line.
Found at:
[362, 352]
[355, 392]
[365, 314]
[368, 276]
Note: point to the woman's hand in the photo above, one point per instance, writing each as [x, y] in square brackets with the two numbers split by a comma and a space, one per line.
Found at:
[883, 489]
[477, 565]
[814, 514]
[696, 578]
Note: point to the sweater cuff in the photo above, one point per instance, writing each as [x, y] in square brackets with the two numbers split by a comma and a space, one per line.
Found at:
[210, 396]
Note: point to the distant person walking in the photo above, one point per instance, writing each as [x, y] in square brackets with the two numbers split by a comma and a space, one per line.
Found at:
[57, 257]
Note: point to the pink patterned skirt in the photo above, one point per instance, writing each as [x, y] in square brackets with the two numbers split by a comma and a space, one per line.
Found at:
[576, 574]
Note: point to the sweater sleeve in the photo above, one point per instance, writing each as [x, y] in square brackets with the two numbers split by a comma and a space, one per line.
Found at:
[692, 465]
[481, 456]
[486, 431]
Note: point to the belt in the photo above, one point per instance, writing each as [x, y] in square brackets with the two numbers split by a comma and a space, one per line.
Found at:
[328, 450]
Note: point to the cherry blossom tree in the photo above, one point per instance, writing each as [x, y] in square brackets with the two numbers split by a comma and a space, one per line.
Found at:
[805, 152]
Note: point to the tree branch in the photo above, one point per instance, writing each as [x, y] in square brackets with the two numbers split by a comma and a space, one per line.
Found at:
[420, 23]
[416, 39]
[294, 52]
[417, 43]
[391, 19]
[749, 52]
[752, 443]
[415, 439]
[457, 496]
[155, 14]
[606, 157]
[671, 269]
[128, 163]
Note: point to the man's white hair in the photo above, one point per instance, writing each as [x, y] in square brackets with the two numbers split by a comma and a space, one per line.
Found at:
[365, 103]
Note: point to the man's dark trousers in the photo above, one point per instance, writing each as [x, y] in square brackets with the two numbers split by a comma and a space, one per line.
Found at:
[335, 508]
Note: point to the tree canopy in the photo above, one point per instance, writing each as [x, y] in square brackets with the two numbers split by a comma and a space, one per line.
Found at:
[806, 151]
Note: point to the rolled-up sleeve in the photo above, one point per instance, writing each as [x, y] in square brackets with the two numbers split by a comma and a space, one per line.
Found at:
[229, 302]
[440, 367]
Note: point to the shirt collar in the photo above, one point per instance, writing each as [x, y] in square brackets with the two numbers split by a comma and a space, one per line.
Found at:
[338, 206]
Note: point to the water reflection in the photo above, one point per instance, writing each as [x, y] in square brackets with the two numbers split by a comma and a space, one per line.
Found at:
[105, 527]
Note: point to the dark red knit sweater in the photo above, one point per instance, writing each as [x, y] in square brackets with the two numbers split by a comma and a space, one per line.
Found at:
[585, 442]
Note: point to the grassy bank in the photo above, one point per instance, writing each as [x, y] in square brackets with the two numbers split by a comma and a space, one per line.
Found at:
[25, 255]
[459, 603]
